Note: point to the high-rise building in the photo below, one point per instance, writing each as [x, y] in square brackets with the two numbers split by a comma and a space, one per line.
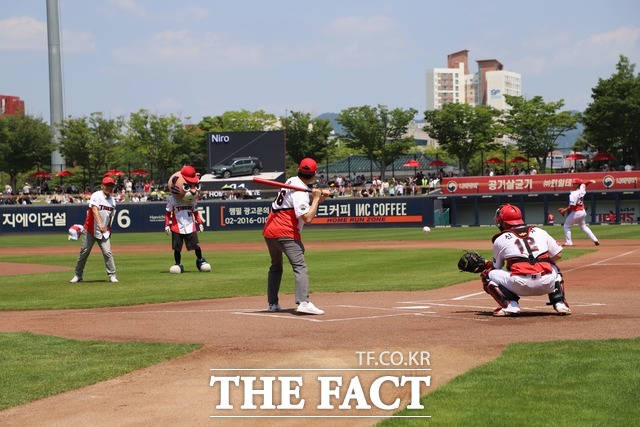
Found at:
[455, 84]
[10, 105]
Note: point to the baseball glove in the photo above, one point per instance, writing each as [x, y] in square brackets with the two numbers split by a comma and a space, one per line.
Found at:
[472, 262]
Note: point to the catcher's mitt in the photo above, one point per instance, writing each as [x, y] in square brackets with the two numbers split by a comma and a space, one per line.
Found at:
[472, 262]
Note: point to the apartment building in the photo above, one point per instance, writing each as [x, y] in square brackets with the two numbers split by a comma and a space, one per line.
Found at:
[485, 87]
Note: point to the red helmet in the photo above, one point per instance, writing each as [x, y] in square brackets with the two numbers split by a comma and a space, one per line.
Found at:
[509, 214]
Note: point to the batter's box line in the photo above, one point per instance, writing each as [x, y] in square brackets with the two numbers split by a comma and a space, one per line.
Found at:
[317, 320]
[484, 296]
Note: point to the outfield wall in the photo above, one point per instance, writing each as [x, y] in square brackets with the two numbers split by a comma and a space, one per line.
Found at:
[413, 211]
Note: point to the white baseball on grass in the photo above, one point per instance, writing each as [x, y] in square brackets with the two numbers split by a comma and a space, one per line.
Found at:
[426, 230]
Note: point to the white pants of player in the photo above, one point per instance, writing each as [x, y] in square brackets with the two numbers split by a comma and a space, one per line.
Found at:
[579, 218]
[525, 285]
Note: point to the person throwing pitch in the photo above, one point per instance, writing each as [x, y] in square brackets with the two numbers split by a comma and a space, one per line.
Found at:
[97, 229]
[524, 264]
[577, 213]
[290, 210]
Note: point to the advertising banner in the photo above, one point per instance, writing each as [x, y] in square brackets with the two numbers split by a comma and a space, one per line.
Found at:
[540, 183]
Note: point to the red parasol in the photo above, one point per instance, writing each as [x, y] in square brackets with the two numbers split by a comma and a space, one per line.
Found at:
[518, 159]
[64, 173]
[139, 172]
[575, 156]
[114, 172]
[602, 156]
[412, 164]
[41, 174]
[437, 163]
[494, 160]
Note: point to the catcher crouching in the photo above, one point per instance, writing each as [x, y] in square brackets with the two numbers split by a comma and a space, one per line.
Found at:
[524, 264]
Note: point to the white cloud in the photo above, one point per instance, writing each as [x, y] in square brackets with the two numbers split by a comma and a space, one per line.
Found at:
[184, 49]
[603, 48]
[23, 34]
[183, 14]
[131, 7]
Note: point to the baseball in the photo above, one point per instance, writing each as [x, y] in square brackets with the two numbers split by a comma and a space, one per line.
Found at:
[426, 230]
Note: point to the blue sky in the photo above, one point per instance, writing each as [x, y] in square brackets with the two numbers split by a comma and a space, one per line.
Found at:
[197, 58]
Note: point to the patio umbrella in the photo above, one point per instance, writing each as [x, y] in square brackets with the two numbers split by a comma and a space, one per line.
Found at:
[412, 164]
[602, 156]
[575, 157]
[139, 172]
[437, 163]
[518, 159]
[64, 173]
[114, 172]
[41, 174]
[494, 160]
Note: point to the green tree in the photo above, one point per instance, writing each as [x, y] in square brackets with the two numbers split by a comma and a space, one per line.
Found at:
[239, 121]
[378, 132]
[611, 120]
[464, 130]
[25, 143]
[91, 142]
[306, 137]
[164, 141]
[536, 125]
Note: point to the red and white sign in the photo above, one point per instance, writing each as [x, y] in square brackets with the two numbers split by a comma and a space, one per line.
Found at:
[541, 183]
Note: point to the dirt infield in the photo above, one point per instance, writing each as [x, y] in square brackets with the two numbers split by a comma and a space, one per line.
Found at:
[453, 325]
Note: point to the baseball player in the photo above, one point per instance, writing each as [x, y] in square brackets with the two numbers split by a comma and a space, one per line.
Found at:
[524, 264]
[577, 213]
[97, 226]
[290, 210]
[182, 219]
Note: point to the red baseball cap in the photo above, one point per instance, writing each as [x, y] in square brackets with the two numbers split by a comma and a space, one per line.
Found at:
[189, 174]
[308, 165]
[576, 181]
[107, 180]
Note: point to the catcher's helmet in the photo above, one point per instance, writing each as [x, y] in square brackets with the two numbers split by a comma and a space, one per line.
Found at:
[509, 215]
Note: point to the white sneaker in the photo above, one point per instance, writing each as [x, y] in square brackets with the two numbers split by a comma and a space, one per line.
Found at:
[562, 309]
[75, 279]
[308, 308]
[274, 307]
[113, 279]
[512, 309]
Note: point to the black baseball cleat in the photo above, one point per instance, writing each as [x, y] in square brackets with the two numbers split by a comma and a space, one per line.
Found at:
[596, 243]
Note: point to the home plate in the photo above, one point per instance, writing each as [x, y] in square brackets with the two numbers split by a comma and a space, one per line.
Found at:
[414, 307]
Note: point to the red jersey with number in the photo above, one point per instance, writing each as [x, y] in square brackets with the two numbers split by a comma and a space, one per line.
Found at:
[286, 209]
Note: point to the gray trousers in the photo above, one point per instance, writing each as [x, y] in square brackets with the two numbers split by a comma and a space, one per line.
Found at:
[88, 240]
[294, 250]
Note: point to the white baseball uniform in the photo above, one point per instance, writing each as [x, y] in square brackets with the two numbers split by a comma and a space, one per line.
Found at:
[525, 252]
[577, 215]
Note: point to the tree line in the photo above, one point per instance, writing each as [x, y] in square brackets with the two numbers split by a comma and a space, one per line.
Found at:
[162, 144]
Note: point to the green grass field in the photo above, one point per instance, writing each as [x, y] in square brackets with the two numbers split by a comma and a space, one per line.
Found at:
[579, 383]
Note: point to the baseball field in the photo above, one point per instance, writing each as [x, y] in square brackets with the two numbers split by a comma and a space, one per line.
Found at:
[145, 351]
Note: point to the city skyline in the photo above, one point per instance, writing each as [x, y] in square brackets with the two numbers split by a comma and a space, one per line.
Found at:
[202, 58]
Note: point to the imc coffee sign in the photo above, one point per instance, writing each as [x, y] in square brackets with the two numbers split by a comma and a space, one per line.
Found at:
[539, 183]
